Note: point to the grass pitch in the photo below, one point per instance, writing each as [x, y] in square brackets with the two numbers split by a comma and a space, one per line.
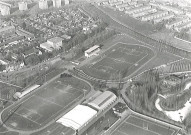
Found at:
[45, 104]
[121, 58]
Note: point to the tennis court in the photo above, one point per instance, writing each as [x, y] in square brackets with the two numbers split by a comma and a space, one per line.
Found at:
[136, 125]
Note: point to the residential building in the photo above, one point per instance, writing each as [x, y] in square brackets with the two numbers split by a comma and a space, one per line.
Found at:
[43, 4]
[4, 62]
[133, 3]
[138, 5]
[66, 2]
[5, 4]
[22, 32]
[56, 3]
[31, 51]
[105, 3]
[56, 42]
[189, 32]
[112, 1]
[129, 7]
[66, 37]
[123, 5]
[166, 17]
[7, 31]
[5, 10]
[121, 9]
[125, 1]
[154, 15]
[22, 6]
[47, 47]
[169, 8]
[137, 9]
[144, 13]
[177, 22]
[183, 26]
[116, 3]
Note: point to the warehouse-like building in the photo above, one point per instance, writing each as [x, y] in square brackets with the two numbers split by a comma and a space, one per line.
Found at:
[78, 117]
[103, 100]
[83, 116]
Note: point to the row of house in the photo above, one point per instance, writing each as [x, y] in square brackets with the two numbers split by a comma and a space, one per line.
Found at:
[169, 8]
[122, 5]
[166, 17]
[137, 9]
[183, 26]
[144, 13]
[154, 16]
[176, 23]
[115, 3]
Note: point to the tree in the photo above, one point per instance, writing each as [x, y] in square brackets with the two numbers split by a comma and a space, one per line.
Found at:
[32, 60]
[2, 67]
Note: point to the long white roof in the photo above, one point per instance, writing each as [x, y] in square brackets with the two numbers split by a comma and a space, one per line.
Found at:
[77, 117]
[92, 48]
[103, 100]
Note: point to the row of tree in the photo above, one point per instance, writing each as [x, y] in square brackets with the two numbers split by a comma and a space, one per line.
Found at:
[96, 39]
[80, 37]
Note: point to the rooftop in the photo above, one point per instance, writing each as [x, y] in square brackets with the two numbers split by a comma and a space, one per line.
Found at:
[103, 100]
[55, 39]
[7, 28]
[77, 117]
[92, 48]
[157, 13]
[177, 21]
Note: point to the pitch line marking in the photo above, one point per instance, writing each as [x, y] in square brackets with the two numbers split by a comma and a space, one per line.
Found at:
[27, 118]
[122, 132]
[150, 122]
[116, 129]
[49, 101]
[33, 111]
[141, 128]
[120, 60]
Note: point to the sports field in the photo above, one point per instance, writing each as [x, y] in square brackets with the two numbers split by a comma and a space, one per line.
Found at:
[45, 104]
[135, 125]
[55, 129]
[121, 59]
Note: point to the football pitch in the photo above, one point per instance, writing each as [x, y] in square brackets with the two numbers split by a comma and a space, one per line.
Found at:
[45, 104]
[135, 125]
[121, 58]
